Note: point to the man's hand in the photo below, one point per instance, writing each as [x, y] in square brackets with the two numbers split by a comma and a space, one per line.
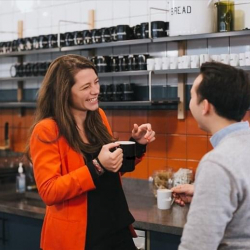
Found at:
[183, 194]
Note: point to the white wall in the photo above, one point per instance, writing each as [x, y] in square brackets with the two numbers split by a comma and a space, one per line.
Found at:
[42, 16]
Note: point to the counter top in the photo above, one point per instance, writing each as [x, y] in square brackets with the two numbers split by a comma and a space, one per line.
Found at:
[140, 198]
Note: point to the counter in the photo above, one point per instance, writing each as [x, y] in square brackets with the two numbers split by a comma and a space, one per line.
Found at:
[141, 201]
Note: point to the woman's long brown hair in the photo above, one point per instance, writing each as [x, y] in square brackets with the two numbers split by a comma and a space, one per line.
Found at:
[54, 102]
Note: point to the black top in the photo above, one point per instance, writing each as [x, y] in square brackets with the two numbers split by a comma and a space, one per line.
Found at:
[107, 206]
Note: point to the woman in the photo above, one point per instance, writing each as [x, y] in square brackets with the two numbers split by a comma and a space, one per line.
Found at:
[76, 162]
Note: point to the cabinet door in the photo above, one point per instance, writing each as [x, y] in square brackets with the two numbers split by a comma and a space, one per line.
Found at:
[159, 241]
[2, 231]
[22, 233]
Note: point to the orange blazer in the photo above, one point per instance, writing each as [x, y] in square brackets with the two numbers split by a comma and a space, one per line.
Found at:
[63, 181]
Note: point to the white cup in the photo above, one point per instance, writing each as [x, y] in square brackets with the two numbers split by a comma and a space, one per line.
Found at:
[165, 62]
[234, 59]
[195, 61]
[224, 58]
[186, 62]
[150, 64]
[204, 58]
[158, 63]
[215, 58]
[179, 65]
[247, 58]
[173, 62]
[164, 198]
[242, 61]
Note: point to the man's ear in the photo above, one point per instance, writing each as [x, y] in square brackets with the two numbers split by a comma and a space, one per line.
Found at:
[206, 106]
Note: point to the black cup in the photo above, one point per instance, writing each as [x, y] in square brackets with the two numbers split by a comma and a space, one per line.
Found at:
[43, 42]
[96, 36]
[114, 63]
[122, 63]
[105, 93]
[14, 70]
[129, 153]
[105, 35]
[20, 44]
[137, 31]
[87, 37]
[78, 38]
[142, 62]
[144, 30]
[113, 32]
[127, 91]
[116, 92]
[133, 62]
[103, 64]
[14, 45]
[27, 69]
[69, 39]
[35, 42]
[28, 43]
[167, 28]
[35, 69]
[52, 40]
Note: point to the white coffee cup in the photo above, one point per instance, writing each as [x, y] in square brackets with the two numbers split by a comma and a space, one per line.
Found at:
[224, 58]
[215, 58]
[150, 64]
[204, 58]
[186, 62]
[158, 63]
[173, 62]
[234, 59]
[164, 198]
[179, 65]
[195, 61]
[165, 62]
[247, 58]
[242, 60]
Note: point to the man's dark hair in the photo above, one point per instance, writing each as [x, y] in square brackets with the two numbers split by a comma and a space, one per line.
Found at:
[227, 88]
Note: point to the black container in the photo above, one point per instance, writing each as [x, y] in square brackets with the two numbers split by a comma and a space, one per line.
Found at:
[14, 46]
[166, 28]
[105, 35]
[78, 37]
[113, 32]
[20, 44]
[142, 62]
[43, 42]
[69, 39]
[27, 69]
[144, 30]
[8, 46]
[4, 47]
[42, 68]
[87, 37]
[133, 62]
[103, 64]
[137, 31]
[105, 93]
[93, 59]
[114, 67]
[127, 90]
[35, 42]
[52, 40]
[35, 69]
[158, 29]
[124, 32]
[122, 63]
[116, 92]
[1, 47]
[14, 70]
[96, 36]
[62, 40]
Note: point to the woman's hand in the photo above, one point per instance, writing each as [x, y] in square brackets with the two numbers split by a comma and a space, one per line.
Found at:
[143, 134]
[111, 161]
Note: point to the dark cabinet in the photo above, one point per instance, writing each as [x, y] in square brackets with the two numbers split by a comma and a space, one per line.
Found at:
[19, 233]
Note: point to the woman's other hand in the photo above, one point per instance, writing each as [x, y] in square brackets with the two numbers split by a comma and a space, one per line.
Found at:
[143, 134]
[183, 194]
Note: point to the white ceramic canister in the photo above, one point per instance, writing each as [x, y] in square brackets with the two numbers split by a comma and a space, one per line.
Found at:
[191, 17]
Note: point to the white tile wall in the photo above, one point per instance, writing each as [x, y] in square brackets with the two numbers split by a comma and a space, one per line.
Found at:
[42, 16]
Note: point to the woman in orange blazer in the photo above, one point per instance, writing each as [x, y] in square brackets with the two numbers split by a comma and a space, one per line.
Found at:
[76, 162]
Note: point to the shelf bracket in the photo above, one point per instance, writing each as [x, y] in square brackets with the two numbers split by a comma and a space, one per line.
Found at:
[181, 83]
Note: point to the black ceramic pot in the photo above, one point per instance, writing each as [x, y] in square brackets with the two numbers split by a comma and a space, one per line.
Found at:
[124, 32]
[158, 29]
[87, 37]
[43, 42]
[78, 38]
[28, 43]
[144, 30]
[52, 40]
[105, 35]
[69, 39]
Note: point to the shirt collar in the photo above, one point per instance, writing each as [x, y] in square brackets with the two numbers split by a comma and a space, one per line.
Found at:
[218, 136]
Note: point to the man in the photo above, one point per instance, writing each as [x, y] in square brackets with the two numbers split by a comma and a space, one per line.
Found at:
[219, 215]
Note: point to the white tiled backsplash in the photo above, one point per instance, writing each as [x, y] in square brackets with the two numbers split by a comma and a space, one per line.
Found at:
[42, 16]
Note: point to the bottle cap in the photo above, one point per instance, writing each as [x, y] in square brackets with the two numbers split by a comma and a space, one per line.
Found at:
[20, 168]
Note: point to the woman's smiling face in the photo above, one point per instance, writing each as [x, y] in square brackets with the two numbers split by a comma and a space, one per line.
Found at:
[85, 91]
